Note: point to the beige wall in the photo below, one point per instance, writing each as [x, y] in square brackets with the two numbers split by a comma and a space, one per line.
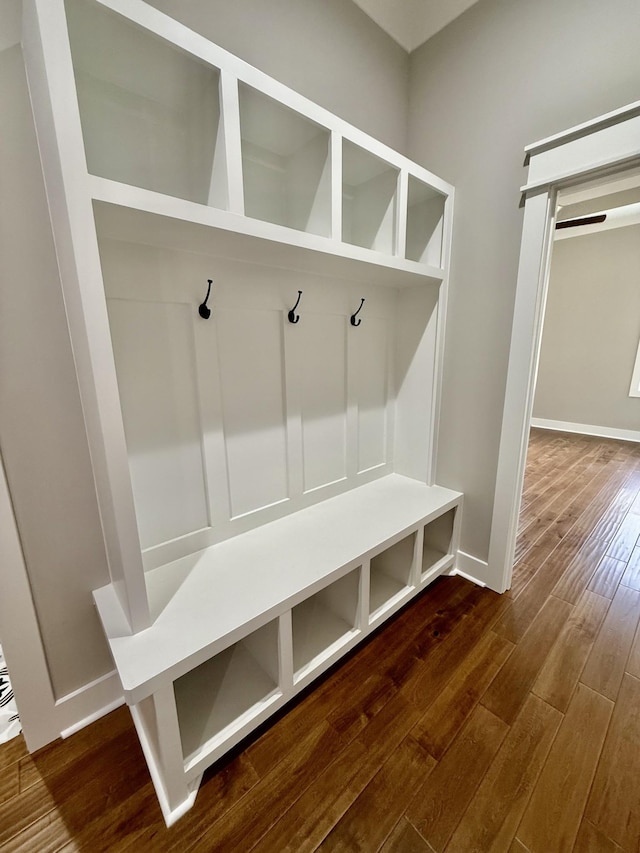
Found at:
[504, 74]
[591, 331]
[326, 49]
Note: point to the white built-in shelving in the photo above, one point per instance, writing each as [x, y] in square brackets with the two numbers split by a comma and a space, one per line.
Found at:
[265, 472]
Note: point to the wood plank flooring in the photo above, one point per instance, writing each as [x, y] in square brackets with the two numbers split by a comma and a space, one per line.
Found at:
[471, 722]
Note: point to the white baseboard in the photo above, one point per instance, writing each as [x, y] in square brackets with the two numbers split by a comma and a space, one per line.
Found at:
[471, 568]
[587, 429]
[88, 704]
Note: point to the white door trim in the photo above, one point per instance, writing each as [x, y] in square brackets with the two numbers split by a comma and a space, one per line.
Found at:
[605, 145]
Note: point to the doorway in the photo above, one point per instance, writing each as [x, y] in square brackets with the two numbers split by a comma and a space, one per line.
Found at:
[583, 408]
[598, 151]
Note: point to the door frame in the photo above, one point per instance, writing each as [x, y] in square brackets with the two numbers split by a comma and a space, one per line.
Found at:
[596, 149]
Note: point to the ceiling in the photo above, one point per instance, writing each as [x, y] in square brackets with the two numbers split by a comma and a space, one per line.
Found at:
[412, 22]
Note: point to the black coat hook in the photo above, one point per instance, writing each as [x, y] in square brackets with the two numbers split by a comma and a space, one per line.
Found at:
[292, 316]
[203, 310]
[355, 322]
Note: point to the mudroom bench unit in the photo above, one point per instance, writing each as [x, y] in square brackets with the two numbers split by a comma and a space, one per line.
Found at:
[256, 295]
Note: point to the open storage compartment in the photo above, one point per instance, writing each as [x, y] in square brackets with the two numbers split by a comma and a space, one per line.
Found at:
[390, 575]
[161, 105]
[325, 622]
[286, 165]
[425, 222]
[369, 200]
[438, 543]
[218, 697]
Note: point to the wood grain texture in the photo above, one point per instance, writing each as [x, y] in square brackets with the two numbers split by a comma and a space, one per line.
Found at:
[439, 804]
[490, 822]
[249, 819]
[605, 666]
[446, 654]
[447, 714]
[520, 615]
[518, 847]
[578, 574]
[405, 839]
[510, 688]
[592, 840]
[553, 815]
[631, 576]
[614, 804]
[396, 747]
[522, 574]
[335, 789]
[606, 578]
[625, 538]
[633, 661]
[385, 796]
[561, 671]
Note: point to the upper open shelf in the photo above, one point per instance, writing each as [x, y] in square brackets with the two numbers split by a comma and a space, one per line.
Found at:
[425, 223]
[149, 111]
[369, 200]
[286, 168]
[200, 133]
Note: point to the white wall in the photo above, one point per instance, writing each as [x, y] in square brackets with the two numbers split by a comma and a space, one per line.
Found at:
[504, 74]
[327, 50]
[591, 331]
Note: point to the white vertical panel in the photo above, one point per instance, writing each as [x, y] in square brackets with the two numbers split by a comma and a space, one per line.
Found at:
[416, 382]
[155, 363]
[323, 392]
[252, 383]
[369, 350]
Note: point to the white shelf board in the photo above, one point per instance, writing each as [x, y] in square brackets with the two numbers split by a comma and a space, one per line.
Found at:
[203, 603]
[218, 697]
[317, 634]
[137, 215]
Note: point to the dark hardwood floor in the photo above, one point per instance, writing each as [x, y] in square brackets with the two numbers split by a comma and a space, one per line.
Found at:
[471, 722]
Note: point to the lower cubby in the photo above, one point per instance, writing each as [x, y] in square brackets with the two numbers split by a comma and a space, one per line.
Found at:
[218, 697]
[390, 575]
[438, 543]
[324, 623]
